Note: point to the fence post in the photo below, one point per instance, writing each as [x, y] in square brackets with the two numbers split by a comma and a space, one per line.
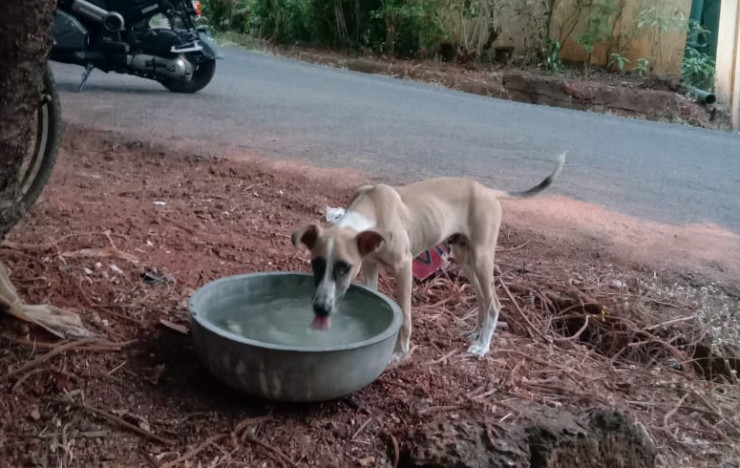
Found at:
[735, 106]
[727, 74]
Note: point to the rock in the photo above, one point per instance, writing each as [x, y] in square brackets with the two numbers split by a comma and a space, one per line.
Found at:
[598, 438]
[367, 461]
[466, 445]
[548, 438]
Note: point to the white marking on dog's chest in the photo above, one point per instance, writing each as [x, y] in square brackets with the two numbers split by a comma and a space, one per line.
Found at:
[329, 261]
[356, 221]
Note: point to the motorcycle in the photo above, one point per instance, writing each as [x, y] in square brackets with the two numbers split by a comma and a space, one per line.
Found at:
[118, 36]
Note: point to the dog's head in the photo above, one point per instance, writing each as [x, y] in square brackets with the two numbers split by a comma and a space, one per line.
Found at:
[336, 258]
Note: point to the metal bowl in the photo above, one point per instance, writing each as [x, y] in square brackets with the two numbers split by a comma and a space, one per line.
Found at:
[285, 371]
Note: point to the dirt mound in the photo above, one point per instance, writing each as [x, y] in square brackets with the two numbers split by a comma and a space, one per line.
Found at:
[593, 96]
[548, 438]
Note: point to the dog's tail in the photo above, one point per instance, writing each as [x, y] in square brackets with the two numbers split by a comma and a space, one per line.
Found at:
[559, 163]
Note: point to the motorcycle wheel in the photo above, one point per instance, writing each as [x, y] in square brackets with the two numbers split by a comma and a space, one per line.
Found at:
[202, 75]
[40, 159]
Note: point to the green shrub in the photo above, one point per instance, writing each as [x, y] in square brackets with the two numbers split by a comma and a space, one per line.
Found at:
[410, 25]
[697, 69]
[598, 28]
[643, 66]
[218, 13]
[659, 22]
[551, 56]
[617, 61]
[395, 26]
[279, 20]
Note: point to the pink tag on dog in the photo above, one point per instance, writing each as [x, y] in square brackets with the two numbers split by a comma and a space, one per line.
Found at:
[431, 261]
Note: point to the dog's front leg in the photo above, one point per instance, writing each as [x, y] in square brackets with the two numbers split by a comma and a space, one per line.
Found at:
[404, 283]
[370, 272]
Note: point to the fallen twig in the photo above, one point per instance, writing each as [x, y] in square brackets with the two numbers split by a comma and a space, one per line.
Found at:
[513, 249]
[118, 315]
[182, 329]
[364, 425]
[435, 409]
[92, 344]
[275, 451]
[55, 243]
[542, 254]
[396, 450]
[239, 428]
[402, 385]
[533, 330]
[31, 344]
[116, 420]
[193, 451]
[670, 322]
[17, 385]
[576, 335]
[673, 410]
[443, 358]
[126, 425]
[107, 252]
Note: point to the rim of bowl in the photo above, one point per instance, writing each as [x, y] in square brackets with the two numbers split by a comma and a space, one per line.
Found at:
[391, 329]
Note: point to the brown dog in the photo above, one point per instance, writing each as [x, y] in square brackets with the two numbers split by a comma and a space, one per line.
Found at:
[389, 226]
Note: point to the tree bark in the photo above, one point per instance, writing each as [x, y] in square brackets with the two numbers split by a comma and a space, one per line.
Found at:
[26, 28]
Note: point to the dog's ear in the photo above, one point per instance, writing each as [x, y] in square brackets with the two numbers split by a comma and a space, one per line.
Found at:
[307, 236]
[368, 242]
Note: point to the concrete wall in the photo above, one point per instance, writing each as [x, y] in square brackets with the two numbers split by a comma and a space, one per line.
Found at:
[727, 75]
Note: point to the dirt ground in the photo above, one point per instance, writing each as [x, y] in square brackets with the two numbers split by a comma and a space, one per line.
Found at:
[186, 215]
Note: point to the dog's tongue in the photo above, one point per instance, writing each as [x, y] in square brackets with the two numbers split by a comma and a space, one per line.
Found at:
[321, 323]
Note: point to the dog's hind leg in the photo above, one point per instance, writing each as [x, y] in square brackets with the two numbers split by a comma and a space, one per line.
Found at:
[489, 306]
[461, 252]
[482, 251]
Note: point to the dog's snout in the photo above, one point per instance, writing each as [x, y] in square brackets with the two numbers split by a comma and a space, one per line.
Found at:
[321, 310]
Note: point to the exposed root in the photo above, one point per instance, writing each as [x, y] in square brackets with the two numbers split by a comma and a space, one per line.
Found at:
[58, 322]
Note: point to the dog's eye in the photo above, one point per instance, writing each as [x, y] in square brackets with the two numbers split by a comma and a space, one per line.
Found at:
[341, 268]
[318, 265]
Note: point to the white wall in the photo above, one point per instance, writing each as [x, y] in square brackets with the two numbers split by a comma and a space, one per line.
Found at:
[727, 75]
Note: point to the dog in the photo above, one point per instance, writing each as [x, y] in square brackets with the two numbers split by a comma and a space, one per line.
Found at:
[385, 226]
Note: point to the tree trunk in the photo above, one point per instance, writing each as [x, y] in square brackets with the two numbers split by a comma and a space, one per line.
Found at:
[25, 39]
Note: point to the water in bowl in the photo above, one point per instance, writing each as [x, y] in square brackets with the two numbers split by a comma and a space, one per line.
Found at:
[286, 321]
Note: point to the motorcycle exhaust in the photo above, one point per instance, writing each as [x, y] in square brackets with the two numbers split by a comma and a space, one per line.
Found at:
[111, 20]
[168, 68]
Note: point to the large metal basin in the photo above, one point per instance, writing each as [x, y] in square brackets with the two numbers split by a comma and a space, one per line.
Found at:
[280, 370]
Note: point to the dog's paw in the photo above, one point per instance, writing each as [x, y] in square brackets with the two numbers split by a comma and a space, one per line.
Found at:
[471, 334]
[478, 350]
[398, 357]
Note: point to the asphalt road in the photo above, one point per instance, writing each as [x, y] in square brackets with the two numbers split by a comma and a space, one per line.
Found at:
[398, 131]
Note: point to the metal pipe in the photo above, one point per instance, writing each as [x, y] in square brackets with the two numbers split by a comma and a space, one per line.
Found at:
[110, 19]
[703, 97]
[88, 10]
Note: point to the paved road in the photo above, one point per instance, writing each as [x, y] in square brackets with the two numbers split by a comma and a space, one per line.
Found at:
[399, 130]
